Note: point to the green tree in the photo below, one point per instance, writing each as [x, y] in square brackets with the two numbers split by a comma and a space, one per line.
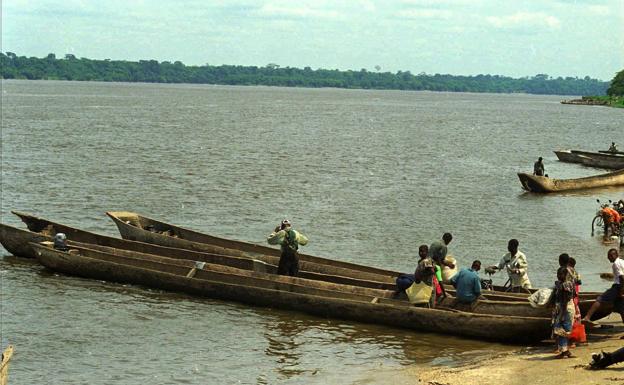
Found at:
[617, 85]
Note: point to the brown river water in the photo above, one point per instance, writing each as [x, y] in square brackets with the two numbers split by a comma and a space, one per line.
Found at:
[367, 175]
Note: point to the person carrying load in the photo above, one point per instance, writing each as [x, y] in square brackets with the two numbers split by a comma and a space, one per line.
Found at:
[289, 240]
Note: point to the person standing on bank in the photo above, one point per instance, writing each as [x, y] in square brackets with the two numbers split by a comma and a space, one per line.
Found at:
[289, 240]
[615, 294]
[538, 167]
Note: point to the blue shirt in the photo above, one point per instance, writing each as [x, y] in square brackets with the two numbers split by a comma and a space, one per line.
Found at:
[467, 284]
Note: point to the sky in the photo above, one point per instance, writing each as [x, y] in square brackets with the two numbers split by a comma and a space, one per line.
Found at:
[460, 37]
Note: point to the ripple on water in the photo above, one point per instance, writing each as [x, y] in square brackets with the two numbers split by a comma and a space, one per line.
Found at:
[368, 175]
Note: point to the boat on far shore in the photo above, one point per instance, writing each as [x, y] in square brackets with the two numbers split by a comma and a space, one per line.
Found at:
[542, 184]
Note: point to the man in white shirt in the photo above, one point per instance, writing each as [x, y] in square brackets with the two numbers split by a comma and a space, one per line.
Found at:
[516, 265]
[615, 294]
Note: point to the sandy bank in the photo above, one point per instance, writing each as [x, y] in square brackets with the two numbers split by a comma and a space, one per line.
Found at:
[536, 365]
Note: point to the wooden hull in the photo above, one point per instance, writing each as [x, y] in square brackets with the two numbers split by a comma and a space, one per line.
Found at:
[601, 159]
[203, 253]
[20, 239]
[502, 306]
[4, 365]
[16, 241]
[292, 294]
[541, 184]
[133, 226]
[602, 162]
[568, 156]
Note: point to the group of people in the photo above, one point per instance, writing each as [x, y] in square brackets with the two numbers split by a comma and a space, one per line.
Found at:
[466, 281]
[566, 315]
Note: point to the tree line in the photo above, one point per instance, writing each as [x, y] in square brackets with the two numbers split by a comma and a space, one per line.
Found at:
[82, 69]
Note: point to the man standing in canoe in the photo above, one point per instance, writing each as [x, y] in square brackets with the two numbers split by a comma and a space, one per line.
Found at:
[538, 167]
[515, 262]
[438, 251]
[289, 240]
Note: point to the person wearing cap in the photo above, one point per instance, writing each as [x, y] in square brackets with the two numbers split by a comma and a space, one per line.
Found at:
[289, 240]
[538, 167]
[60, 242]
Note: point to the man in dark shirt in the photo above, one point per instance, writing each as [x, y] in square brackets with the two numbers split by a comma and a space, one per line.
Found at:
[538, 167]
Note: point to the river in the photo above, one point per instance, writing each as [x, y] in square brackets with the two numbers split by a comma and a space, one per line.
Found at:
[367, 175]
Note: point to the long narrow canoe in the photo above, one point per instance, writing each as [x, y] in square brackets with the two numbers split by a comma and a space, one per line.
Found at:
[568, 156]
[494, 303]
[243, 272]
[4, 364]
[289, 293]
[226, 256]
[603, 162]
[135, 227]
[600, 159]
[541, 184]
[17, 242]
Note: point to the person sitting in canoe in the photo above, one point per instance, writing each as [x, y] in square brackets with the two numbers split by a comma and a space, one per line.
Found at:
[538, 167]
[515, 262]
[467, 283]
[60, 242]
[289, 240]
[613, 147]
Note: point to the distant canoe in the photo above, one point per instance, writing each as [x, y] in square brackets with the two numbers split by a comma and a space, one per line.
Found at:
[608, 162]
[541, 184]
[601, 159]
[292, 294]
[568, 156]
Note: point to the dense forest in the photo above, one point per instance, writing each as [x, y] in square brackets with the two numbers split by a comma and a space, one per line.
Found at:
[72, 68]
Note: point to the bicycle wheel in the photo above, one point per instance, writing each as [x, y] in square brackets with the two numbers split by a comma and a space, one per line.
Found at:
[597, 221]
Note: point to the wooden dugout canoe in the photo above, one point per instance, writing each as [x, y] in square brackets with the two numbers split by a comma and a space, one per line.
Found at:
[48, 228]
[541, 184]
[132, 226]
[600, 159]
[242, 272]
[4, 365]
[603, 162]
[17, 242]
[288, 293]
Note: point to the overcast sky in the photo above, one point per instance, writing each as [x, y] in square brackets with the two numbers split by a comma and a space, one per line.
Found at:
[460, 37]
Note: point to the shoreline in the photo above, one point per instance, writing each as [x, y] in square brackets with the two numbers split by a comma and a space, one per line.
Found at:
[535, 365]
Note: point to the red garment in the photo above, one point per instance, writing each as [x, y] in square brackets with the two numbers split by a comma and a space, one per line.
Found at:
[438, 288]
[611, 215]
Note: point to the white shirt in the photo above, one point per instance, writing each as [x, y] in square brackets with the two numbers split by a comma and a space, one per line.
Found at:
[518, 261]
[618, 269]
